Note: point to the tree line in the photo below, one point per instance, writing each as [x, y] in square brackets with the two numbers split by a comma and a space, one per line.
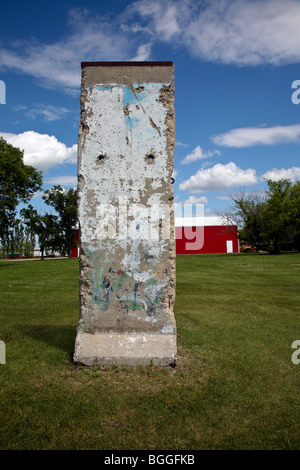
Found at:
[18, 234]
[268, 221]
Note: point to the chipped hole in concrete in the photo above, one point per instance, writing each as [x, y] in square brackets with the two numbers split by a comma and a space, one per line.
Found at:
[101, 157]
[150, 158]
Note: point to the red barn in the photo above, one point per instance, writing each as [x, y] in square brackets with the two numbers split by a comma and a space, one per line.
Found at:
[205, 235]
[195, 235]
[75, 248]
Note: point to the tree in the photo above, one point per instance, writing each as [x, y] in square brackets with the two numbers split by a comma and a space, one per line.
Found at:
[278, 215]
[45, 226]
[18, 183]
[269, 221]
[246, 212]
[65, 204]
[19, 240]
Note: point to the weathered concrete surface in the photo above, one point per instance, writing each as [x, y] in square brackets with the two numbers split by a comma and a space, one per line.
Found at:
[127, 261]
[125, 349]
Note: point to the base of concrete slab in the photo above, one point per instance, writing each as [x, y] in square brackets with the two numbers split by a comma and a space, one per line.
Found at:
[132, 349]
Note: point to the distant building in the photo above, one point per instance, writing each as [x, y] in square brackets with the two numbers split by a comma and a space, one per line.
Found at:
[205, 235]
[75, 250]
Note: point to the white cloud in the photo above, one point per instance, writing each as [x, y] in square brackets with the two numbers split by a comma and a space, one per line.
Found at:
[42, 151]
[199, 154]
[249, 136]
[219, 177]
[242, 32]
[164, 15]
[48, 112]
[62, 180]
[281, 173]
[38, 194]
[196, 200]
[181, 144]
[89, 37]
[192, 200]
[143, 52]
[174, 173]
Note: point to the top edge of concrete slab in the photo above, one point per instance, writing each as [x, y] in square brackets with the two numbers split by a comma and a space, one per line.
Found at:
[127, 64]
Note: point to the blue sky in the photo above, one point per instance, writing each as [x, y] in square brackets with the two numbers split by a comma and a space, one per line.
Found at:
[236, 63]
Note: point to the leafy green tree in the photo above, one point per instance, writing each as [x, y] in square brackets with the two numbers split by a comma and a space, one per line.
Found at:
[64, 201]
[270, 221]
[248, 212]
[278, 215]
[45, 226]
[18, 183]
[19, 240]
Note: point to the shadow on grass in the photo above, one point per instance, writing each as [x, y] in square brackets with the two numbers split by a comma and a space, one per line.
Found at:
[6, 264]
[60, 336]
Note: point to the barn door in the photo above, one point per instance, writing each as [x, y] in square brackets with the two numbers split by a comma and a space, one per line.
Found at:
[229, 246]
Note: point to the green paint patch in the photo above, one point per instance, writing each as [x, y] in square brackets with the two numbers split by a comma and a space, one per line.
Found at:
[113, 283]
[133, 305]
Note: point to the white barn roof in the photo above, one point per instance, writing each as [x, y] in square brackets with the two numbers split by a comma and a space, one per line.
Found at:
[199, 221]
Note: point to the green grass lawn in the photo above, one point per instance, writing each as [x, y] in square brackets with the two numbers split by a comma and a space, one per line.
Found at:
[234, 386]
